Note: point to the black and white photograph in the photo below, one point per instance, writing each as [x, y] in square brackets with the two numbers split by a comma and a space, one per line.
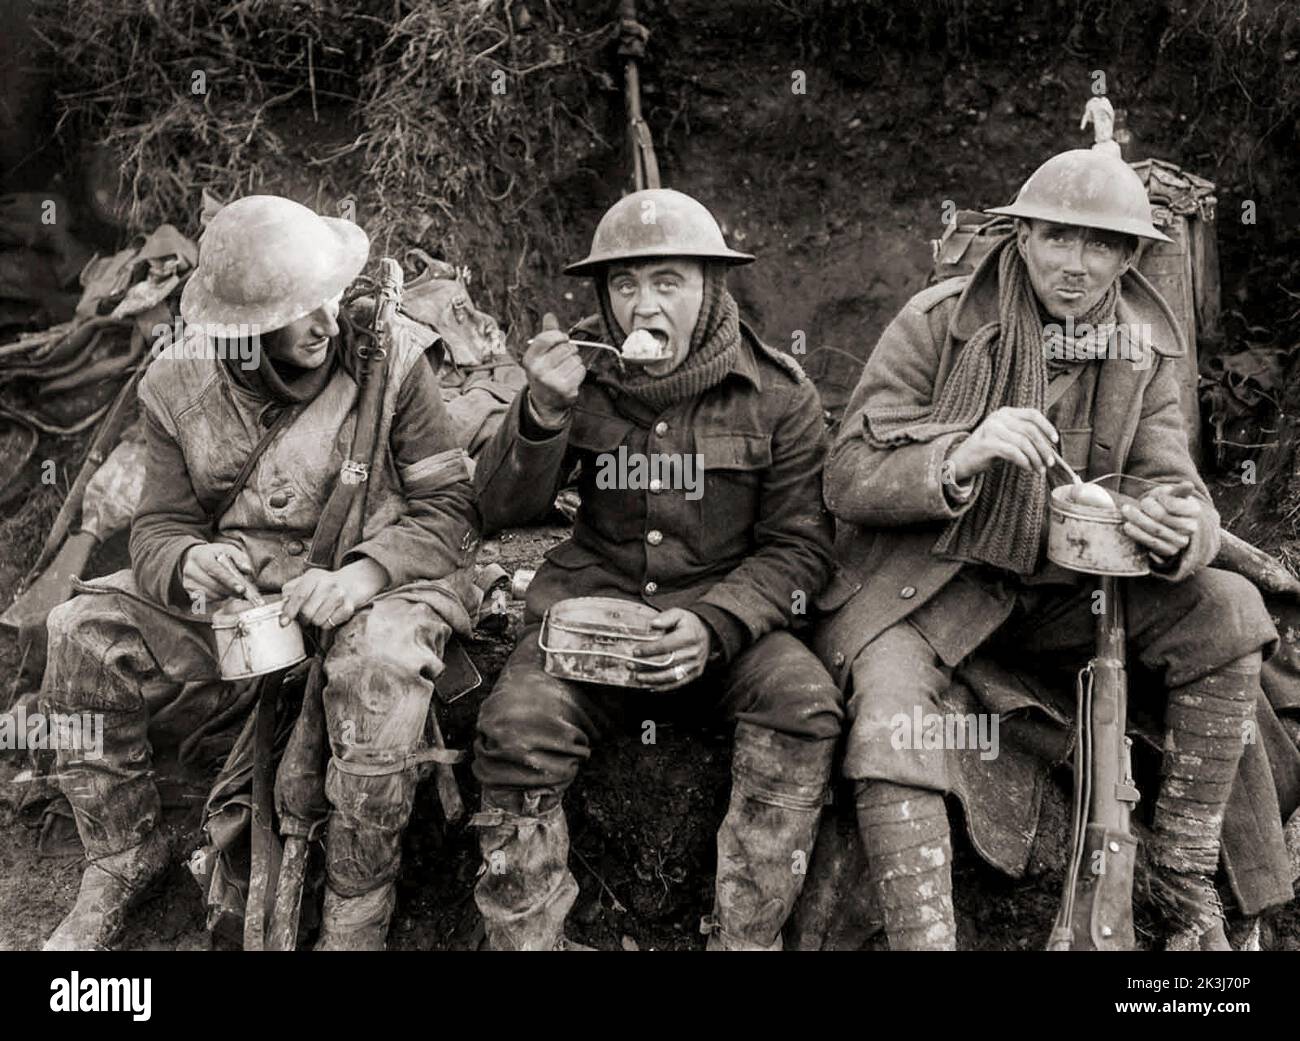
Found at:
[651, 475]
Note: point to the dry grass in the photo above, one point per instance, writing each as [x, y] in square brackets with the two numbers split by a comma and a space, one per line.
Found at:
[428, 116]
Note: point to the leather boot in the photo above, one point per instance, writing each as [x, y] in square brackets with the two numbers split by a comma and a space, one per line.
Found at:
[909, 851]
[525, 890]
[778, 786]
[1204, 740]
[110, 887]
[356, 923]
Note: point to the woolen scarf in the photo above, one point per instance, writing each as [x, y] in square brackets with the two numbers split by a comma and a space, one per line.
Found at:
[1003, 364]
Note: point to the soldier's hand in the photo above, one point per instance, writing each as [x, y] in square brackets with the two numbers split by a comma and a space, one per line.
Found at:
[685, 644]
[1164, 521]
[1021, 436]
[555, 371]
[330, 598]
[204, 571]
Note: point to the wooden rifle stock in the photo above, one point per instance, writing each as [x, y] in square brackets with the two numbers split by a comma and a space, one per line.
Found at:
[1097, 902]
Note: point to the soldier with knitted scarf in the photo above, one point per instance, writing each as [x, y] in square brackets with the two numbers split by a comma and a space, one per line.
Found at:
[938, 479]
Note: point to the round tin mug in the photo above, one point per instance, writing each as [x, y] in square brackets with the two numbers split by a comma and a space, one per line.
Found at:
[253, 642]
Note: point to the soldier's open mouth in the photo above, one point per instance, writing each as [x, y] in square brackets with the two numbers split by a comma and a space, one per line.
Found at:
[646, 345]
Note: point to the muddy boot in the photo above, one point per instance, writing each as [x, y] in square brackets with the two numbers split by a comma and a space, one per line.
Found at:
[1204, 740]
[110, 887]
[356, 923]
[778, 786]
[909, 851]
[526, 889]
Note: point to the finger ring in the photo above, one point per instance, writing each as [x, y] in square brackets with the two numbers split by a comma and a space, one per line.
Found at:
[679, 673]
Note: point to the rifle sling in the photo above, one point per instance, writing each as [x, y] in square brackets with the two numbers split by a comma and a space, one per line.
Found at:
[328, 543]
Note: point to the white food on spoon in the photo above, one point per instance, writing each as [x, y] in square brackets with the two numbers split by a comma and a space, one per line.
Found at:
[643, 345]
[1092, 495]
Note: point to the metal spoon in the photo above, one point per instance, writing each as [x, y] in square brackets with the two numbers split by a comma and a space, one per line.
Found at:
[246, 588]
[593, 343]
[1060, 461]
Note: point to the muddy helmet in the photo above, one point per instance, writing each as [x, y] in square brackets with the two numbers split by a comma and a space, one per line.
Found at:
[656, 222]
[1088, 188]
[266, 261]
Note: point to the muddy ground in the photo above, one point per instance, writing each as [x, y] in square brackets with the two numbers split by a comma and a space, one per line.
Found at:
[838, 190]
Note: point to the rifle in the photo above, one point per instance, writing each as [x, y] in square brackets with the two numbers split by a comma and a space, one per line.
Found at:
[633, 35]
[300, 784]
[48, 582]
[1097, 904]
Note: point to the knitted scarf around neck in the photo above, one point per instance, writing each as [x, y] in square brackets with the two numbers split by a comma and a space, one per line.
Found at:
[715, 342]
[1003, 364]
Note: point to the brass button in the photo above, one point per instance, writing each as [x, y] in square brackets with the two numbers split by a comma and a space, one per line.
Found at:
[295, 548]
[651, 588]
[839, 659]
[907, 592]
[279, 500]
[655, 537]
[656, 485]
[661, 428]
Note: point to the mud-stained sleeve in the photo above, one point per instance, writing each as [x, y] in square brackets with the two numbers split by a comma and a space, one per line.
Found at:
[169, 519]
[438, 532]
[519, 470]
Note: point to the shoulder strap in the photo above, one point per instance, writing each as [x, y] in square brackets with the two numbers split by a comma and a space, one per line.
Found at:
[241, 478]
[355, 471]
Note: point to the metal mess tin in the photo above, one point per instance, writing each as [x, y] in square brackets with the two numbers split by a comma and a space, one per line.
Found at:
[1091, 539]
[592, 639]
[253, 642]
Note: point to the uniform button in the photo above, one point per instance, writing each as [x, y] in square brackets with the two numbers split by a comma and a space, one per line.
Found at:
[656, 486]
[661, 428]
[907, 592]
[655, 537]
[279, 500]
[651, 588]
[839, 659]
[295, 548]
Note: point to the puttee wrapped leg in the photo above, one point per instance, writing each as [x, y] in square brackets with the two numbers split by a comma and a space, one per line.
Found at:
[1206, 727]
[908, 844]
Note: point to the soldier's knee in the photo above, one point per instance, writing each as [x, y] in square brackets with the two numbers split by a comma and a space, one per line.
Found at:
[793, 692]
[519, 717]
[528, 736]
[1231, 605]
[71, 621]
[382, 638]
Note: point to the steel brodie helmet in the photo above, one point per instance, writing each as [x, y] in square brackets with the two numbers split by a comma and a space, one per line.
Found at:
[656, 222]
[1089, 189]
[266, 261]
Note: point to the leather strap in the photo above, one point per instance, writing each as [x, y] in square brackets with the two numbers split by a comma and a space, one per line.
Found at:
[354, 474]
[261, 835]
[280, 422]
